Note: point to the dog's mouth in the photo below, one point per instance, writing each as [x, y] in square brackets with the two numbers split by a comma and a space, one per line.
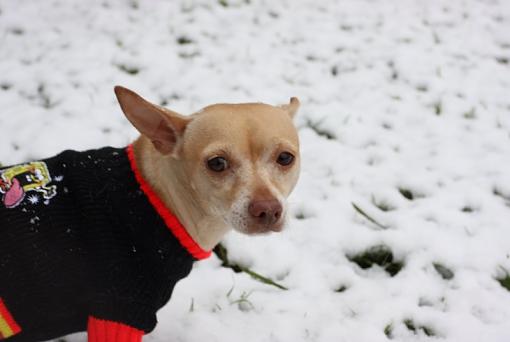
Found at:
[260, 229]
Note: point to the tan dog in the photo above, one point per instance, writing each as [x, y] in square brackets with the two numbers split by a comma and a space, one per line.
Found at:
[226, 166]
[121, 226]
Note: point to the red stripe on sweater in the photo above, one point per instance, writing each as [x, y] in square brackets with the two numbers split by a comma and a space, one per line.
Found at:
[171, 221]
[100, 330]
[8, 318]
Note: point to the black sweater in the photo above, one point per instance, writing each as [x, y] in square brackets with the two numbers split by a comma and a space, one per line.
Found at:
[82, 234]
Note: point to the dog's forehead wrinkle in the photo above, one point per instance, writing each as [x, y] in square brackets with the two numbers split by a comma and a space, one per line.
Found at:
[252, 131]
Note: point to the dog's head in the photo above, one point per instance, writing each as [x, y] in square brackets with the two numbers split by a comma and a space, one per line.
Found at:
[241, 160]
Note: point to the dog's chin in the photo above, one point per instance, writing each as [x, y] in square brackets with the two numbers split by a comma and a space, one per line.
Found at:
[262, 229]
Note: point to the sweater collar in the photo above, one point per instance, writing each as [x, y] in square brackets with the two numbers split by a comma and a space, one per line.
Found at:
[171, 221]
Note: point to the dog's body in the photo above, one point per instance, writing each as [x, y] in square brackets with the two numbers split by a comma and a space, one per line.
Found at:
[93, 240]
[100, 247]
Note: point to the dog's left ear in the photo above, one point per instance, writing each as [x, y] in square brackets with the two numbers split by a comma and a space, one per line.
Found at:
[162, 126]
[292, 107]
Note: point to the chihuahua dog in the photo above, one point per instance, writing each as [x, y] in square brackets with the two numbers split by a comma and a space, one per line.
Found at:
[97, 240]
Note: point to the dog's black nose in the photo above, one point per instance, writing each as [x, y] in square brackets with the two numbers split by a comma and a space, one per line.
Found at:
[266, 212]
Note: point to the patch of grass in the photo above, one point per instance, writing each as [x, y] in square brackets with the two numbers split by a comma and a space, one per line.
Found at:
[365, 215]
[172, 97]
[470, 114]
[468, 209]
[393, 69]
[445, 272]
[134, 4]
[243, 303]
[301, 215]
[387, 126]
[437, 39]
[128, 69]
[320, 131]
[394, 267]
[18, 31]
[334, 70]
[222, 253]
[44, 97]
[406, 193]
[422, 88]
[382, 205]
[273, 14]
[192, 305]
[505, 280]
[187, 55]
[5, 86]
[341, 288]
[438, 108]
[380, 255]
[410, 325]
[388, 330]
[500, 194]
[183, 40]
[502, 60]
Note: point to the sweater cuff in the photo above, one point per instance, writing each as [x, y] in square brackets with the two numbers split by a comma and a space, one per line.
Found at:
[100, 330]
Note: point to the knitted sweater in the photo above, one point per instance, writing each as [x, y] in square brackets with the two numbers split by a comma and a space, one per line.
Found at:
[85, 240]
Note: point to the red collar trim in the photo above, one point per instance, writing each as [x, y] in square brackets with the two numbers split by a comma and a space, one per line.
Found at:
[171, 221]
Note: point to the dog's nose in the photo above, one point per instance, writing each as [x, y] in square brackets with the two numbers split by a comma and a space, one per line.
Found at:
[266, 212]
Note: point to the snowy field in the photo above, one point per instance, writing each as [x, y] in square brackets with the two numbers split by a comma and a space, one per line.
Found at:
[405, 120]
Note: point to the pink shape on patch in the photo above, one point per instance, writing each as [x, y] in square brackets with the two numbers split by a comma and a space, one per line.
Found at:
[14, 195]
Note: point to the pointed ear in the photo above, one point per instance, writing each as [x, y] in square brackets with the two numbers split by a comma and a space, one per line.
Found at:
[162, 126]
[292, 107]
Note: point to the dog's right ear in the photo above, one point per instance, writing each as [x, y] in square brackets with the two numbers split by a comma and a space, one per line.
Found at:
[292, 107]
[162, 126]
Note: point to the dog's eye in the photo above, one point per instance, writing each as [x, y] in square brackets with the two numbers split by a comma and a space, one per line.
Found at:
[217, 164]
[285, 158]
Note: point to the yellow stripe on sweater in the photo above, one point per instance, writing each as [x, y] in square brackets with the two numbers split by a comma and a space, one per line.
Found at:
[5, 329]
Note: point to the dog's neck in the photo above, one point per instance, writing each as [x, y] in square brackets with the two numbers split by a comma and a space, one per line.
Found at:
[172, 186]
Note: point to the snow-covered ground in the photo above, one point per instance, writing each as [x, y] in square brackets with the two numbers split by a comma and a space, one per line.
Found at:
[405, 114]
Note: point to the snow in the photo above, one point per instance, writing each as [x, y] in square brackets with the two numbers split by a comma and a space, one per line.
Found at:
[398, 98]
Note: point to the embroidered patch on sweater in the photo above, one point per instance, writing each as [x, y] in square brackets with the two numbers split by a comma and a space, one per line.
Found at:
[17, 181]
[8, 326]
